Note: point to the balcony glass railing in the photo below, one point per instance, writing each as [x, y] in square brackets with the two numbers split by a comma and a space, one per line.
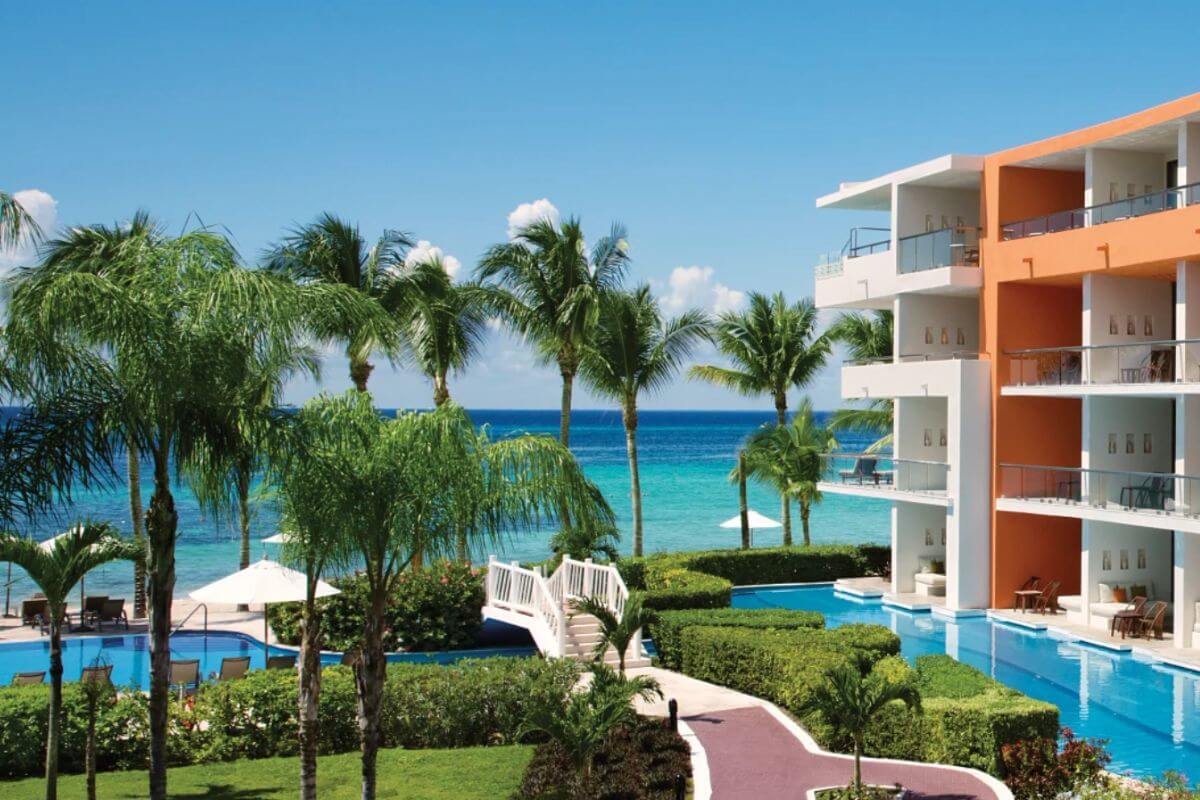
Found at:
[1150, 492]
[949, 247]
[906, 358]
[884, 472]
[1165, 361]
[829, 265]
[1128, 208]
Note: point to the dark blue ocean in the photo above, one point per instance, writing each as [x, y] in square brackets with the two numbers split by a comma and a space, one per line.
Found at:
[685, 458]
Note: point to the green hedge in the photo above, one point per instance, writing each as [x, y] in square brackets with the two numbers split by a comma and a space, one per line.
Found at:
[669, 587]
[425, 705]
[763, 565]
[666, 629]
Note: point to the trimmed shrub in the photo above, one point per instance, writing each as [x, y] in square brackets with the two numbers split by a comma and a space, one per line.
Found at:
[436, 608]
[675, 588]
[666, 629]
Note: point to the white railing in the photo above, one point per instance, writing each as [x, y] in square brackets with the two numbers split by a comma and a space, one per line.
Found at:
[581, 579]
[524, 593]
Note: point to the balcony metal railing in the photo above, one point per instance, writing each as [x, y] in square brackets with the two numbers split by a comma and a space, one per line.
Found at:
[885, 472]
[1130, 207]
[1149, 362]
[1151, 492]
[905, 358]
[948, 247]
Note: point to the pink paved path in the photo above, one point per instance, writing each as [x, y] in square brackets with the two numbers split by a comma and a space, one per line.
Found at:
[752, 755]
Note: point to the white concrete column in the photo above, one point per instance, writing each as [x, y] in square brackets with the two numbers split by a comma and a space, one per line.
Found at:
[898, 562]
[1086, 579]
[1187, 323]
[1186, 588]
[968, 519]
[899, 323]
[1189, 153]
[1089, 178]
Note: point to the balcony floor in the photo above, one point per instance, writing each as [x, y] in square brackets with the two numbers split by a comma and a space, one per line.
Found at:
[1164, 649]
[1054, 507]
[1102, 389]
[883, 492]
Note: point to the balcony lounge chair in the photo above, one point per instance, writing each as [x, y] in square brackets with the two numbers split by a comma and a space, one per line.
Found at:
[185, 675]
[1153, 493]
[97, 674]
[865, 472]
[1152, 620]
[28, 678]
[281, 662]
[1048, 602]
[113, 611]
[233, 669]
[34, 610]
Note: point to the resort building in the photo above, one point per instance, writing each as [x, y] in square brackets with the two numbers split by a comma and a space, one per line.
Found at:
[1046, 368]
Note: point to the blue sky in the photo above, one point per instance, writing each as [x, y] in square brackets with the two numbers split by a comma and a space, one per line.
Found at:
[707, 128]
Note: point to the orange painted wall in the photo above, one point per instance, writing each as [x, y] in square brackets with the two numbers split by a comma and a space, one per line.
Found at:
[1026, 192]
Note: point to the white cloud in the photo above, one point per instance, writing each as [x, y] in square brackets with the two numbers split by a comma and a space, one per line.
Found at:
[44, 209]
[526, 214]
[427, 251]
[694, 287]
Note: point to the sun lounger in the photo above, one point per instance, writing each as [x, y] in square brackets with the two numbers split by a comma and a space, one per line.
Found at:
[92, 606]
[113, 611]
[281, 662]
[1152, 620]
[185, 675]
[1048, 602]
[28, 678]
[865, 472]
[233, 669]
[97, 674]
[34, 610]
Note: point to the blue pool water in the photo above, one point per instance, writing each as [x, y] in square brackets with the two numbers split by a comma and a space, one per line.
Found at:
[129, 655]
[1149, 712]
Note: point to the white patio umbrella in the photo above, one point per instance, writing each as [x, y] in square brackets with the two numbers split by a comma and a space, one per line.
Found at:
[262, 582]
[757, 522]
[278, 538]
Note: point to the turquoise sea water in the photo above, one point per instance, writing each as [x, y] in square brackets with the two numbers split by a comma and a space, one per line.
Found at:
[685, 458]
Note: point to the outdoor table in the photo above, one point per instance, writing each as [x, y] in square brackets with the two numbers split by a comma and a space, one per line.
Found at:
[1121, 621]
[1023, 596]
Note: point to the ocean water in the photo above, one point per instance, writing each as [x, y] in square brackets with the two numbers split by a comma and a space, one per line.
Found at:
[685, 459]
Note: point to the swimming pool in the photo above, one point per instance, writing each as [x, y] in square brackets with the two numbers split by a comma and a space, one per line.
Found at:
[130, 654]
[1148, 711]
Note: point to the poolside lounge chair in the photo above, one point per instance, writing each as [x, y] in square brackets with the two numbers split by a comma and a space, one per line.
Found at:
[281, 662]
[92, 606]
[34, 610]
[185, 675]
[1152, 620]
[97, 674]
[233, 669]
[1048, 602]
[113, 611]
[28, 678]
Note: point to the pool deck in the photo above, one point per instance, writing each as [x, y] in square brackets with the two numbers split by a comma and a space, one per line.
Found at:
[220, 617]
[746, 747]
[881, 588]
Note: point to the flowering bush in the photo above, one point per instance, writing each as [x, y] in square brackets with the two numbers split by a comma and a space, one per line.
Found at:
[1036, 769]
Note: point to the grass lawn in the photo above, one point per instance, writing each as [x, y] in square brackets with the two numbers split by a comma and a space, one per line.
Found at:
[471, 773]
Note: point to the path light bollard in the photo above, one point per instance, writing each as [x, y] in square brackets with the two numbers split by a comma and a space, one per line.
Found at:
[680, 787]
[673, 711]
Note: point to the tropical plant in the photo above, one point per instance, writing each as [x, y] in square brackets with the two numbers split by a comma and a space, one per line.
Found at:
[788, 459]
[445, 327]
[1038, 769]
[617, 631]
[851, 697]
[16, 224]
[57, 570]
[548, 288]
[333, 252]
[632, 350]
[774, 348]
[580, 721]
[387, 489]
[866, 337]
[580, 543]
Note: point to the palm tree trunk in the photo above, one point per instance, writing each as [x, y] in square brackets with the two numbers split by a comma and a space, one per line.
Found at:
[310, 692]
[243, 490]
[630, 416]
[857, 766]
[360, 372]
[441, 390]
[781, 409]
[461, 548]
[134, 472]
[54, 728]
[567, 370]
[89, 753]
[805, 510]
[743, 509]
[161, 524]
[370, 673]
[785, 505]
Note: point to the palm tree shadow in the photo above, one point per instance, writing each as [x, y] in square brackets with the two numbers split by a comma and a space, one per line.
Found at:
[225, 791]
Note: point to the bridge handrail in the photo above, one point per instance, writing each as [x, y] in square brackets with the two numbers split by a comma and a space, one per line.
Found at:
[527, 592]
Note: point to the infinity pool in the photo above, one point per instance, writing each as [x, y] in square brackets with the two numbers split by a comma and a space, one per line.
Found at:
[1149, 712]
[130, 655]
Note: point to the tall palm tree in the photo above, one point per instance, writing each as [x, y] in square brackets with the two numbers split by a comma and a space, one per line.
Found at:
[848, 700]
[866, 337]
[774, 347]
[56, 571]
[333, 251]
[787, 458]
[16, 224]
[445, 328]
[632, 350]
[549, 291]
[390, 488]
[617, 631]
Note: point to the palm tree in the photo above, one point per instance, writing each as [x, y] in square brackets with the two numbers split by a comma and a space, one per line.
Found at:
[333, 251]
[617, 632]
[549, 290]
[866, 338]
[580, 721]
[787, 458]
[573, 541]
[774, 348]
[16, 224]
[165, 313]
[56, 571]
[391, 488]
[632, 350]
[849, 699]
[445, 328]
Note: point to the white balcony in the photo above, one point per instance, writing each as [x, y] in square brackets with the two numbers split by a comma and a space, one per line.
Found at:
[916, 375]
[884, 477]
[1159, 368]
